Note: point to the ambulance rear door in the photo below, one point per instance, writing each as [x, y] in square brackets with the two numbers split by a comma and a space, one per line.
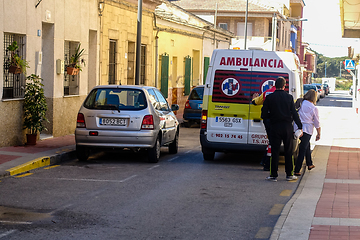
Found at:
[228, 107]
[267, 67]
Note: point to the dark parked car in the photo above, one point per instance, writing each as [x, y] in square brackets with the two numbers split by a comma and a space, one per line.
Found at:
[307, 87]
[320, 88]
[131, 117]
[193, 106]
[326, 89]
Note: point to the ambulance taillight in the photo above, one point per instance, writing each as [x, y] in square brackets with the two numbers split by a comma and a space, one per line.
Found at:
[203, 119]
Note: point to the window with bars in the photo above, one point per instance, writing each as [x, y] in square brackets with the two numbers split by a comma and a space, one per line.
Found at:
[71, 82]
[112, 62]
[223, 26]
[13, 84]
[143, 65]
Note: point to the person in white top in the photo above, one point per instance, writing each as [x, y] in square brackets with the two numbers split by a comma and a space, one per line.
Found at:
[309, 116]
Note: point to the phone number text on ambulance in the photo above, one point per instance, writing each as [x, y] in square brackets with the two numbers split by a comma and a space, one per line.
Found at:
[225, 135]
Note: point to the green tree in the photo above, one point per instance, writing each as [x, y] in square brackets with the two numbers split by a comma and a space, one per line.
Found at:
[332, 67]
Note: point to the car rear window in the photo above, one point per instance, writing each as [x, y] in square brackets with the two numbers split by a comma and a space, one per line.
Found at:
[197, 94]
[308, 87]
[116, 99]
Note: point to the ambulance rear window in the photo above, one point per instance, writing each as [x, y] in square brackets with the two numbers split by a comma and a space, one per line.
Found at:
[239, 86]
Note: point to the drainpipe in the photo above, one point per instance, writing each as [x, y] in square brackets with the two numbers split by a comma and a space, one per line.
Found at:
[156, 53]
[156, 58]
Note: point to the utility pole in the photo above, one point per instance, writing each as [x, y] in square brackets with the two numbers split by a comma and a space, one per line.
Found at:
[246, 19]
[340, 68]
[325, 69]
[274, 32]
[138, 44]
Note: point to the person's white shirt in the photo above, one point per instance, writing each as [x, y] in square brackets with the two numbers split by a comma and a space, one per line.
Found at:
[309, 117]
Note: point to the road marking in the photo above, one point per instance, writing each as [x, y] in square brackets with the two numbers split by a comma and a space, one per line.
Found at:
[276, 209]
[172, 159]
[54, 166]
[286, 193]
[153, 167]
[60, 209]
[128, 178]
[7, 233]
[264, 232]
[15, 222]
[188, 151]
[88, 180]
[24, 175]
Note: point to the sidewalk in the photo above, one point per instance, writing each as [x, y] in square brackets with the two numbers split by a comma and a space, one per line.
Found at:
[20, 159]
[326, 204]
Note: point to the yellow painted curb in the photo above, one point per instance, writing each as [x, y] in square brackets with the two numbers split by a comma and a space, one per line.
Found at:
[37, 163]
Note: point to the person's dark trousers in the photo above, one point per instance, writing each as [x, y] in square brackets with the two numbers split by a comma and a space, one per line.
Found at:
[281, 132]
[304, 151]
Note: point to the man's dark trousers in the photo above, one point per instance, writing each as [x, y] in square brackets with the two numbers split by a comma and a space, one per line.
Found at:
[281, 131]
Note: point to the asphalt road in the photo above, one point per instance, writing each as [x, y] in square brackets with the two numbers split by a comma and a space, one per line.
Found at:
[118, 195]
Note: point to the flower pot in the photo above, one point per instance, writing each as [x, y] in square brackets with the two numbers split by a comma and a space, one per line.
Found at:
[15, 70]
[72, 71]
[31, 139]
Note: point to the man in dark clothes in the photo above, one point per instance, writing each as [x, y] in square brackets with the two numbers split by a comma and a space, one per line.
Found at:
[279, 107]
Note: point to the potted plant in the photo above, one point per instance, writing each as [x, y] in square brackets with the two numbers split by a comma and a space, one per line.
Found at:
[17, 64]
[75, 61]
[35, 108]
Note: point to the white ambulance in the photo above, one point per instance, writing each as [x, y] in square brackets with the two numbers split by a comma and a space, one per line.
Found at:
[230, 122]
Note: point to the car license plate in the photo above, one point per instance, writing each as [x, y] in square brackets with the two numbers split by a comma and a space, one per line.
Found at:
[113, 121]
[228, 121]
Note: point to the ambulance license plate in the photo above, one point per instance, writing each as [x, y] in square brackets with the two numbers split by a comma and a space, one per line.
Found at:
[228, 121]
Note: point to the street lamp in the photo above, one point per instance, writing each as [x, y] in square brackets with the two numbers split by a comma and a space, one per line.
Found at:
[101, 6]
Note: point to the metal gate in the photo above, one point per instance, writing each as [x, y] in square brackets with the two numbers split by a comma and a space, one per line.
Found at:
[164, 74]
[206, 66]
[187, 75]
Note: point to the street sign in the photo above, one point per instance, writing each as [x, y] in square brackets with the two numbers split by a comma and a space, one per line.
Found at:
[349, 64]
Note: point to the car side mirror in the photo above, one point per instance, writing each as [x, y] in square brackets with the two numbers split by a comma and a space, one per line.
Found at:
[174, 107]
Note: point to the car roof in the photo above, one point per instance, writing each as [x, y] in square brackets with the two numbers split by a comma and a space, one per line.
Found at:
[124, 86]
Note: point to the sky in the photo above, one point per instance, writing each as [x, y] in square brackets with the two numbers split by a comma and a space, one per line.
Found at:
[322, 30]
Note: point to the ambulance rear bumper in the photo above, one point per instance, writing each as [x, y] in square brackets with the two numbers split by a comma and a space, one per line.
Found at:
[225, 147]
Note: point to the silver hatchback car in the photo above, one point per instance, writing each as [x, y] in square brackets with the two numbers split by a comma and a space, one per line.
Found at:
[124, 116]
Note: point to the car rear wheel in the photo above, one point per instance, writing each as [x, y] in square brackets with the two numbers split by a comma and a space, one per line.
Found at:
[82, 153]
[154, 152]
[173, 147]
[187, 124]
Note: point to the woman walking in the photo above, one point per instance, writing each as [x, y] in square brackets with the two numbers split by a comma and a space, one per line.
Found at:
[309, 116]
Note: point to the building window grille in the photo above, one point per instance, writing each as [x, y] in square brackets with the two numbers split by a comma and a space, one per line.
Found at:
[71, 82]
[13, 84]
[112, 62]
[143, 65]
[223, 26]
